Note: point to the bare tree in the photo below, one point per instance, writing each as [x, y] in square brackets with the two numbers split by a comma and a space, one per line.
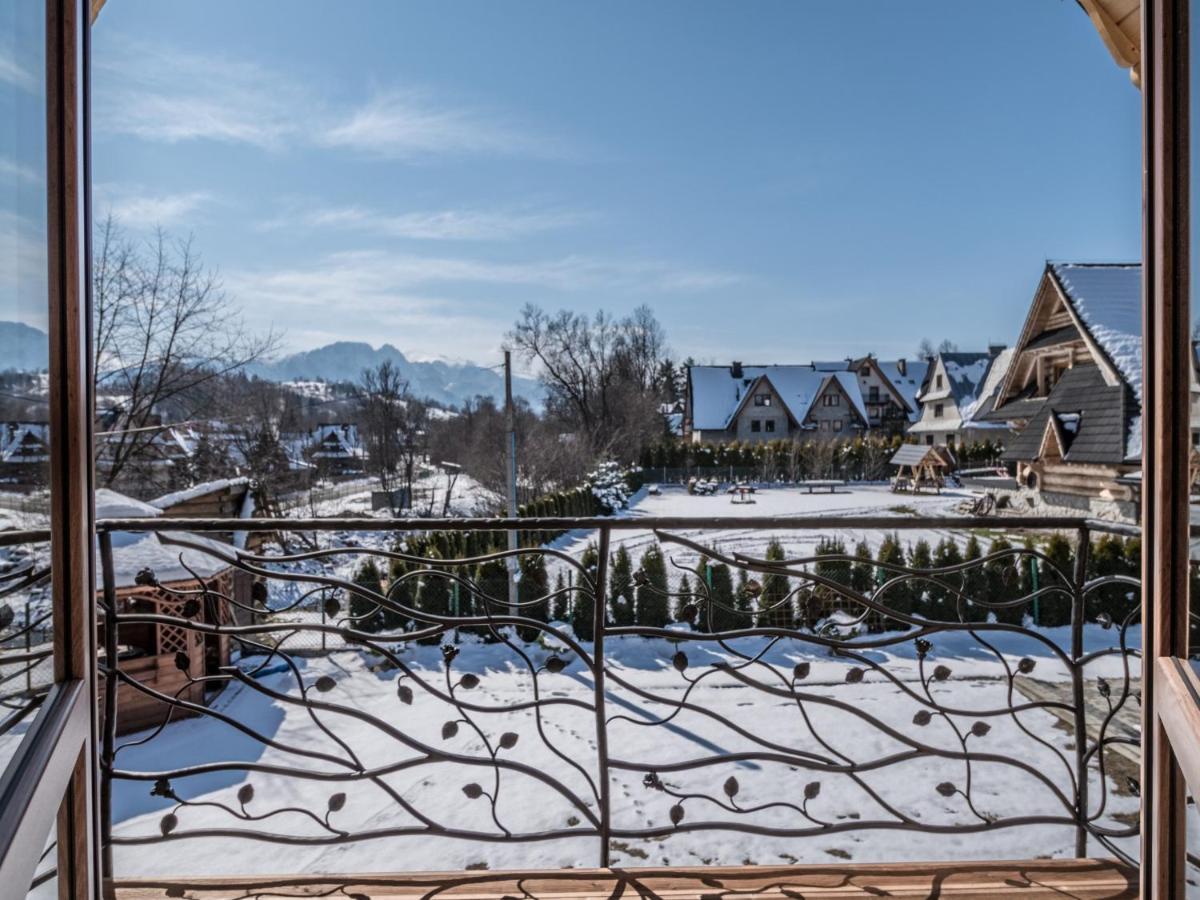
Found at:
[393, 423]
[165, 331]
[602, 376]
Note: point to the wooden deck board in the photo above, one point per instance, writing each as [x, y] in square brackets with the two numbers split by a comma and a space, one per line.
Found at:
[1085, 879]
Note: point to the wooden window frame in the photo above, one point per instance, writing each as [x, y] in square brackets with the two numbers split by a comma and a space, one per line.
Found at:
[1168, 735]
[52, 777]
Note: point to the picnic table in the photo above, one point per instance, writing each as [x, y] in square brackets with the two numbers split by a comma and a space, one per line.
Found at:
[828, 484]
[741, 493]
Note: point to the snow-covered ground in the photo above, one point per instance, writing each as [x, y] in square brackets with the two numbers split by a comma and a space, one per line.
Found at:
[796, 714]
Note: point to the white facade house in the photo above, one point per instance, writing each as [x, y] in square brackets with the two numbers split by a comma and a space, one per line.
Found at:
[960, 390]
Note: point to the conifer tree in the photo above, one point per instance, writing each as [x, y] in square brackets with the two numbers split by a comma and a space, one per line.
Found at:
[898, 597]
[921, 557]
[491, 582]
[531, 593]
[433, 598]
[583, 605]
[1054, 609]
[401, 591]
[560, 607]
[774, 604]
[943, 602]
[653, 605]
[365, 611]
[974, 584]
[620, 585]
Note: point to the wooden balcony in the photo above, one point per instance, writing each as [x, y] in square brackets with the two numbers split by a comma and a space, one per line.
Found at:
[1083, 879]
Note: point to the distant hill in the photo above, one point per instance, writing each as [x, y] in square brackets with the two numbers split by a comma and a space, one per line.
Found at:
[23, 349]
[446, 382]
[26, 349]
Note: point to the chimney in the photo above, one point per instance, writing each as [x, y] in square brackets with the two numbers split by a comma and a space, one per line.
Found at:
[735, 370]
[995, 350]
[902, 366]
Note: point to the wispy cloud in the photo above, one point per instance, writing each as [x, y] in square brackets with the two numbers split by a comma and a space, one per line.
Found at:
[135, 208]
[13, 73]
[412, 124]
[436, 225]
[11, 170]
[160, 93]
[363, 276]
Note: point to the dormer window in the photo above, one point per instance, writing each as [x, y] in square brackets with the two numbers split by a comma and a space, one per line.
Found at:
[762, 399]
[940, 381]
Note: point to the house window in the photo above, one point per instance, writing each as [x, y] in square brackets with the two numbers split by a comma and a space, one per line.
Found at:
[770, 425]
[864, 371]
[762, 399]
[831, 400]
[824, 425]
[837, 424]
[873, 393]
[937, 411]
[755, 425]
[929, 439]
[941, 382]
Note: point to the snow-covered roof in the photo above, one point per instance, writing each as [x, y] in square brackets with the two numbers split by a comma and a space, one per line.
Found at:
[113, 505]
[208, 487]
[1107, 298]
[907, 384]
[717, 395]
[134, 552]
[984, 398]
[24, 442]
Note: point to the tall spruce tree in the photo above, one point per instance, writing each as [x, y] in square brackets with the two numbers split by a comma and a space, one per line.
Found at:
[531, 592]
[583, 606]
[974, 584]
[433, 598]
[898, 597]
[653, 604]
[943, 601]
[364, 610]
[921, 557]
[774, 603]
[620, 588]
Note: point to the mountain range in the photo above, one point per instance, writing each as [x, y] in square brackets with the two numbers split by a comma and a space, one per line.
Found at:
[448, 383]
[22, 348]
[26, 349]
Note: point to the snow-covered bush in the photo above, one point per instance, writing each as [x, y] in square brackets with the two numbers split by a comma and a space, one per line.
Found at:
[610, 485]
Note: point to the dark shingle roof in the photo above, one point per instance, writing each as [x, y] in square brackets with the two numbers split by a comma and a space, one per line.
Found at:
[1102, 424]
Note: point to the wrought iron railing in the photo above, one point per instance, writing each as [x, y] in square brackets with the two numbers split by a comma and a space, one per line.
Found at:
[845, 718]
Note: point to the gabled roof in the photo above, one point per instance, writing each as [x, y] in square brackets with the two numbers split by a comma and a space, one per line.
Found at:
[1089, 415]
[974, 409]
[717, 397]
[1104, 303]
[915, 454]
[907, 385]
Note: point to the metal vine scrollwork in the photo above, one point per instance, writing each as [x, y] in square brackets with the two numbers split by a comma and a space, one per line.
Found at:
[517, 752]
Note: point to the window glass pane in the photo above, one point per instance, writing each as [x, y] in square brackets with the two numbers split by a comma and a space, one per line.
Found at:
[25, 626]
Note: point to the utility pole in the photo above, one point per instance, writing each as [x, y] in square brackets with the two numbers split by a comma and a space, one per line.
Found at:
[511, 419]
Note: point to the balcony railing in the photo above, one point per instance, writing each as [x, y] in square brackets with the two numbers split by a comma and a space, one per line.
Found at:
[242, 704]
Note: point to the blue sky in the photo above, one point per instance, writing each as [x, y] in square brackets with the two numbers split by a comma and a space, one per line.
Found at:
[779, 181]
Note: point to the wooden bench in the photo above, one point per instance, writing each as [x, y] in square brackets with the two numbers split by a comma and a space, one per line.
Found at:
[1082, 879]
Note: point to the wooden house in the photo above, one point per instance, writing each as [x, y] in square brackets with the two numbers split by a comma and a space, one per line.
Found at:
[763, 403]
[957, 396]
[1074, 390]
[24, 453]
